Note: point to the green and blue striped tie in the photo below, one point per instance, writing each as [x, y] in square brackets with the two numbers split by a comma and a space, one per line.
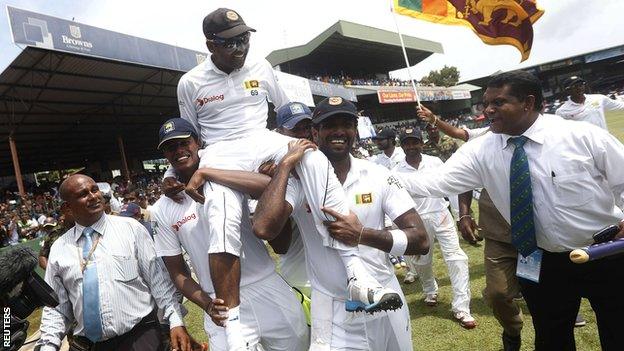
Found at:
[521, 200]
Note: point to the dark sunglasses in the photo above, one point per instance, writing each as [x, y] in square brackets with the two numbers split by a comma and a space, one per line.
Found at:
[232, 43]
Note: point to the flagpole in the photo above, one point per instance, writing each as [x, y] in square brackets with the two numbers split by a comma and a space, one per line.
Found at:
[409, 72]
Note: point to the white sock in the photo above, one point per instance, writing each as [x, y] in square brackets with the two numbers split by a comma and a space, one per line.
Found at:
[354, 266]
[233, 330]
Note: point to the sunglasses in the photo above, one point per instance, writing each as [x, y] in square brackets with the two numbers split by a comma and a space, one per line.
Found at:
[232, 43]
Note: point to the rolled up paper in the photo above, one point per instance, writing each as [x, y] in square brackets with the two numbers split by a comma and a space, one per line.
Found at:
[597, 251]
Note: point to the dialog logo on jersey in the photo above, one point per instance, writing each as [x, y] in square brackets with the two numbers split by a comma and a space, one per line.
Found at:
[181, 222]
[364, 198]
[202, 101]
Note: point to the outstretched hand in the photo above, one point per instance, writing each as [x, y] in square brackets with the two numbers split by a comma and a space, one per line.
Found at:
[346, 228]
[425, 114]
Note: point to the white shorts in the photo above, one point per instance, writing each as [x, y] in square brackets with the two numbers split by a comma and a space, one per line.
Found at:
[223, 206]
[271, 316]
[382, 331]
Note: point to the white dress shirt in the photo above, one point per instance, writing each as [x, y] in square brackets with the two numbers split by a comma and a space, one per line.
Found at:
[424, 205]
[225, 106]
[591, 110]
[577, 178]
[130, 276]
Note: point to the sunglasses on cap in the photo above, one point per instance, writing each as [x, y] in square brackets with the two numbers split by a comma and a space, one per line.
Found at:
[232, 43]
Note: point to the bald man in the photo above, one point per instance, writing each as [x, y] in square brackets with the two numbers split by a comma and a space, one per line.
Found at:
[115, 309]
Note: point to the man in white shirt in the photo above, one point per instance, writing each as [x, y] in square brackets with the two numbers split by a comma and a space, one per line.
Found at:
[557, 182]
[440, 226]
[225, 98]
[586, 107]
[270, 314]
[108, 280]
[373, 192]
[390, 154]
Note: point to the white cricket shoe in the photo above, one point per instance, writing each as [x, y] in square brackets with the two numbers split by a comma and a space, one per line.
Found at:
[371, 298]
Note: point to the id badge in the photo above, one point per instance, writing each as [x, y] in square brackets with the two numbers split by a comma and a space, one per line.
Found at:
[529, 267]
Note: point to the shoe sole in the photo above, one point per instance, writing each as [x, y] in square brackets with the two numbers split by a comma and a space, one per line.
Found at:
[388, 302]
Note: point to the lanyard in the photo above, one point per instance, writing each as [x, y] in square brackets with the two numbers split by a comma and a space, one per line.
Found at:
[85, 262]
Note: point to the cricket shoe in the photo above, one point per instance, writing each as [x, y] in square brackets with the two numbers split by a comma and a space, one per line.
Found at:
[371, 298]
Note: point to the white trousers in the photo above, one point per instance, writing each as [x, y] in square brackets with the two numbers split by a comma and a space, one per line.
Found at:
[271, 318]
[223, 206]
[441, 227]
[334, 329]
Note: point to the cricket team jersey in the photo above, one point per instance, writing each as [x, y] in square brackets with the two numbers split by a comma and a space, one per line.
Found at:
[424, 205]
[180, 225]
[592, 110]
[371, 192]
[225, 106]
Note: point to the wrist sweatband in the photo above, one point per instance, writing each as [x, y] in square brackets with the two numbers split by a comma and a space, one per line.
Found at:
[399, 242]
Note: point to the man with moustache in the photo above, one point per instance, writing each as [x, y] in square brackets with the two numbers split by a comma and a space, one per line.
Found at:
[373, 192]
[225, 99]
[557, 183]
[107, 277]
[271, 317]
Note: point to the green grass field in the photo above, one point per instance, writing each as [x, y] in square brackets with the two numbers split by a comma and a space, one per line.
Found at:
[434, 328]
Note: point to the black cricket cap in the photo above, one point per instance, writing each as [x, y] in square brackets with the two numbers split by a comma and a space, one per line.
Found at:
[386, 133]
[415, 133]
[224, 23]
[331, 106]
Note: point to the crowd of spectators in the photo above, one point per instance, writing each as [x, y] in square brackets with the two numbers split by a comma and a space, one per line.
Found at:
[25, 218]
[368, 81]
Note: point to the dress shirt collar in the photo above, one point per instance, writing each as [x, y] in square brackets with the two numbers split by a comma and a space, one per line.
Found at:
[97, 226]
[536, 133]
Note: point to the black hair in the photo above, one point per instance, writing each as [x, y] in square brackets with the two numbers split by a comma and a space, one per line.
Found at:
[521, 84]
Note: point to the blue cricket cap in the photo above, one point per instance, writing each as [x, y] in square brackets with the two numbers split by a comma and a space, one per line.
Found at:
[292, 113]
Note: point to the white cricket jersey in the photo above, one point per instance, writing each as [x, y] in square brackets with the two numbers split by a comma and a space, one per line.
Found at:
[225, 106]
[293, 262]
[592, 110]
[389, 162]
[180, 226]
[372, 192]
[424, 205]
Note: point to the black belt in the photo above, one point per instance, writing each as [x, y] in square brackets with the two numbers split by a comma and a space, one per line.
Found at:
[81, 343]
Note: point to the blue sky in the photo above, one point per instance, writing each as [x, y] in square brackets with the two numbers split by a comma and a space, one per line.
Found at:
[568, 27]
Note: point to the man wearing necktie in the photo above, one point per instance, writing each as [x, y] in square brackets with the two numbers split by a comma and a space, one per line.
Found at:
[107, 276]
[557, 183]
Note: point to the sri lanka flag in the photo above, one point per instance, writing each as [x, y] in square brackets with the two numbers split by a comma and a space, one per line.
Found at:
[496, 22]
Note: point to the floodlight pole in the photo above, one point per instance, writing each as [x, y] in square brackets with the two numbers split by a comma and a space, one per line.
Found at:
[409, 72]
[124, 162]
[16, 166]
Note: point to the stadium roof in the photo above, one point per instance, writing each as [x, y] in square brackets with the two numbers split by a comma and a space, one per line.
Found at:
[74, 89]
[351, 47]
[63, 109]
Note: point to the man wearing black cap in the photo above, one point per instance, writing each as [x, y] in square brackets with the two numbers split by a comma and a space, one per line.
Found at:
[586, 107]
[225, 98]
[270, 314]
[372, 193]
[390, 154]
[440, 226]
